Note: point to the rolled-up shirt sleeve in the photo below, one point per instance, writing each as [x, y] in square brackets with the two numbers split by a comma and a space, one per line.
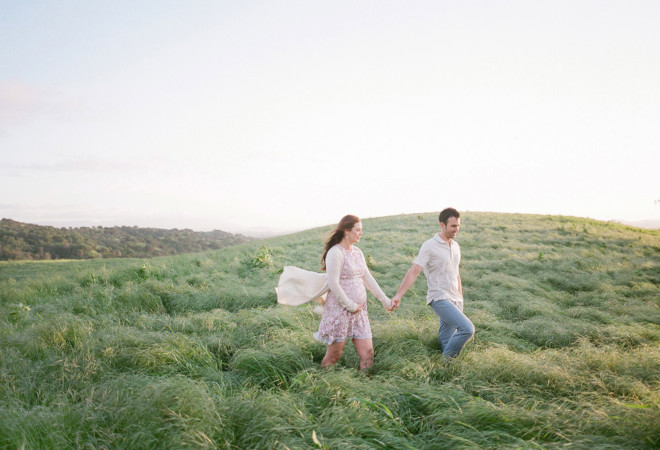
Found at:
[423, 256]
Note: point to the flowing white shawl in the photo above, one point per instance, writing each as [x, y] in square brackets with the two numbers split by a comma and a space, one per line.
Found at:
[298, 286]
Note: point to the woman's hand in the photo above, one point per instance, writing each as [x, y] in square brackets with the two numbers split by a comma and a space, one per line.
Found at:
[395, 304]
[359, 308]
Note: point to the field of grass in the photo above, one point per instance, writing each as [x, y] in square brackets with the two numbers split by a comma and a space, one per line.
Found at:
[193, 351]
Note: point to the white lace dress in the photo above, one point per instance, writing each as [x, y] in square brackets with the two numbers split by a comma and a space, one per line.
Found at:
[338, 323]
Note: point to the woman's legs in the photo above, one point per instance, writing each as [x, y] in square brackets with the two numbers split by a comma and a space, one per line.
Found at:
[333, 353]
[365, 349]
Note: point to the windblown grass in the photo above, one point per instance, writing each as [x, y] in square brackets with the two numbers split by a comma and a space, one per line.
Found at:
[192, 351]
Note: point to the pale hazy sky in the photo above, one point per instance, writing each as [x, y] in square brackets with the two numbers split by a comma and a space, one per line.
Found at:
[289, 114]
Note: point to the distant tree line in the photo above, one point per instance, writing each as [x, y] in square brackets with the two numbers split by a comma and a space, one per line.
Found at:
[19, 241]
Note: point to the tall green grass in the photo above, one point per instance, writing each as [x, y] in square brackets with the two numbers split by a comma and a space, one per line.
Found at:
[193, 351]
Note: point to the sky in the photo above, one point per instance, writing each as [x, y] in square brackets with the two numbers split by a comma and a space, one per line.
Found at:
[286, 115]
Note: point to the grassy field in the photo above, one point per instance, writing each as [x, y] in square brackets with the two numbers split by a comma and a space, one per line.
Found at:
[193, 351]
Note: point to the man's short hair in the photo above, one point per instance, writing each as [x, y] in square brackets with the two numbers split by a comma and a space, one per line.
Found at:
[447, 213]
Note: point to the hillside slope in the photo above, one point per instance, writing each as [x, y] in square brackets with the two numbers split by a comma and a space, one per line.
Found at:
[193, 350]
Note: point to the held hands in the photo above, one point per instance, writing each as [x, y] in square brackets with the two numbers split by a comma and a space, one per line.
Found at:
[396, 301]
[394, 305]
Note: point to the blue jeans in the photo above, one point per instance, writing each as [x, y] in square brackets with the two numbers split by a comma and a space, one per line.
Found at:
[455, 328]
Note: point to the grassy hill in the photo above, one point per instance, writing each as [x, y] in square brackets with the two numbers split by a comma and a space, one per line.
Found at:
[192, 350]
[23, 241]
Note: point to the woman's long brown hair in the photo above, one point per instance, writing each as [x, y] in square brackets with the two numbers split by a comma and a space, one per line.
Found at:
[345, 224]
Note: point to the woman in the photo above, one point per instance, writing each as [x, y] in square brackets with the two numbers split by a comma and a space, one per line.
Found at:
[345, 311]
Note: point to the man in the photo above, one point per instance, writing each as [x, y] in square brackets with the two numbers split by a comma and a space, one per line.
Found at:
[439, 258]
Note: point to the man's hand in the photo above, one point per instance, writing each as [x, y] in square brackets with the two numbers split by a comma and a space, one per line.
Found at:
[396, 301]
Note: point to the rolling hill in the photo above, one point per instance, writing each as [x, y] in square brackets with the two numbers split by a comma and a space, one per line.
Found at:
[193, 351]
